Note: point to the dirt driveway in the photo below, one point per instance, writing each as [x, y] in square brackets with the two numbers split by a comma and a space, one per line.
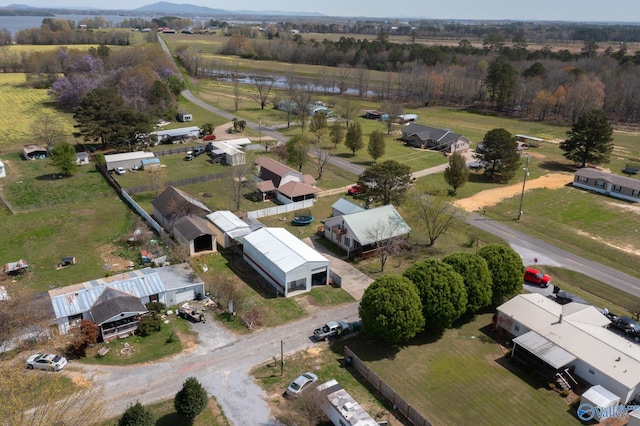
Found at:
[491, 197]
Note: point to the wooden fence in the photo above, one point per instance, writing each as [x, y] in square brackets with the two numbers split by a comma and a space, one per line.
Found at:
[385, 390]
[284, 208]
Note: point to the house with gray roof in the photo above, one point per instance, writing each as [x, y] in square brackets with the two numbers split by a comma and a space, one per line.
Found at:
[193, 232]
[171, 285]
[363, 232]
[622, 187]
[443, 140]
[116, 313]
[172, 204]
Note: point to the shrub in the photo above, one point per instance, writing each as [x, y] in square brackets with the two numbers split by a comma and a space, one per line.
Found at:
[137, 415]
[149, 324]
[191, 400]
[157, 307]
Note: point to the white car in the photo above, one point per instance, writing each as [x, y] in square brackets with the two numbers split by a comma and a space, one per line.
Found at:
[120, 170]
[49, 362]
[300, 384]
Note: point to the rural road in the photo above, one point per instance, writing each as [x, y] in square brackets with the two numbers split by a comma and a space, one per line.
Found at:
[221, 362]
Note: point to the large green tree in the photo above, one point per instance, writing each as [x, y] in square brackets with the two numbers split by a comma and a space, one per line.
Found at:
[102, 116]
[336, 134]
[457, 173]
[506, 271]
[590, 139]
[63, 157]
[501, 81]
[387, 181]
[298, 151]
[137, 415]
[353, 138]
[442, 292]
[498, 152]
[319, 126]
[376, 145]
[391, 309]
[476, 276]
[191, 400]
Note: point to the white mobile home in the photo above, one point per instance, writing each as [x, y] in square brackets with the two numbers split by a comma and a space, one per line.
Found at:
[287, 263]
[341, 408]
[127, 159]
[169, 136]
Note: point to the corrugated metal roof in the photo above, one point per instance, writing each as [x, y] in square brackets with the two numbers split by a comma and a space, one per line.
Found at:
[345, 206]
[282, 248]
[363, 224]
[226, 220]
[79, 300]
[138, 155]
[544, 349]
[600, 396]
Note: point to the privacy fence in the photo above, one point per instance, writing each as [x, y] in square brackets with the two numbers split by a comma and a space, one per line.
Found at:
[285, 208]
[385, 390]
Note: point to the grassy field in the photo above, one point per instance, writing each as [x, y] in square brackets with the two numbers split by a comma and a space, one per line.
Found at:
[463, 377]
[165, 415]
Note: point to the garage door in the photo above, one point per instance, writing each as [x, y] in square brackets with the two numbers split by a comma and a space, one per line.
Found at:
[185, 295]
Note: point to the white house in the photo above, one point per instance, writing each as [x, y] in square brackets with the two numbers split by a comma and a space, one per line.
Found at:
[287, 263]
[171, 285]
[362, 231]
[622, 187]
[227, 227]
[231, 150]
[126, 159]
[341, 408]
[569, 340]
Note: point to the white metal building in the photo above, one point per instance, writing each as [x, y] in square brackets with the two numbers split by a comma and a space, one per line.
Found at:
[634, 418]
[574, 337]
[127, 159]
[3, 173]
[287, 263]
[181, 132]
[171, 285]
[227, 227]
[599, 397]
[231, 150]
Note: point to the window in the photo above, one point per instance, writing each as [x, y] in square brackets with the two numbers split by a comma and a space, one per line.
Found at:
[517, 328]
[599, 183]
[346, 241]
[635, 193]
[617, 188]
[592, 372]
[583, 179]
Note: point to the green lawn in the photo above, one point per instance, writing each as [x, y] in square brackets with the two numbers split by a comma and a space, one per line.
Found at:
[165, 415]
[464, 377]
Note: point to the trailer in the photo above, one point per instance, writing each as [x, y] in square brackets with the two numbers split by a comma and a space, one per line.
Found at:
[191, 314]
[14, 268]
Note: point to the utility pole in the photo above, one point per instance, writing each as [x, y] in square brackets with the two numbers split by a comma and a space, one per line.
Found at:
[281, 358]
[526, 173]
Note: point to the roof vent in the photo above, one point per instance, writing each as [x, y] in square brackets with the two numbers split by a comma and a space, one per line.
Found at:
[618, 359]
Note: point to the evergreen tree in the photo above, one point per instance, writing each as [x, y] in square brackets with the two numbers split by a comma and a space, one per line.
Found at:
[353, 139]
[590, 139]
[376, 145]
[137, 415]
[191, 400]
[457, 173]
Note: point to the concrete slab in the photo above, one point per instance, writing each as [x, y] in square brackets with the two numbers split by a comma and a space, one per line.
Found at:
[353, 281]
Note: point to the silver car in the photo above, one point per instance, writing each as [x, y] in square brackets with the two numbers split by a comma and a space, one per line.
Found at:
[49, 362]
[300, 384]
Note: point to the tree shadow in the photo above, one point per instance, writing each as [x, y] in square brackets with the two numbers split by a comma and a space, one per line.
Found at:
[479, 177]
[173, 419]
[52, 177]
[247, 275]
[555, 166]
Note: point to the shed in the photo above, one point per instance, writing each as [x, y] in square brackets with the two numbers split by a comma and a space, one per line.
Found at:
[194, 233]
[33, 152]
[82, 158]
[531, 141]
[598, 397]
[174, 203]
[344, 206]
[287, 263]
[127, 159]
[184, 116]
[16, 267]
[373, 114]
[150, 163]
[407, 118]
[3, 172]
[634, 418]
[227, 227]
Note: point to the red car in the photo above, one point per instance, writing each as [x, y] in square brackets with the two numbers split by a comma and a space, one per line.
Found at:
[536, 277]
[210, 137]
[356, 189]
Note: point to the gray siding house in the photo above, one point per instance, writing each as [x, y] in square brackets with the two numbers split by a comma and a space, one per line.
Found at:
[625, 188]
[425, 137]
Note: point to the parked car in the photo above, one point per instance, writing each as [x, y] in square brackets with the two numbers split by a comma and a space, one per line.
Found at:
[210, 137]
[536, 277]
[49, 362]
[188, 157]
[356, 189]
[300, 384]
[198, 151]
[628, 326]
[120, 170]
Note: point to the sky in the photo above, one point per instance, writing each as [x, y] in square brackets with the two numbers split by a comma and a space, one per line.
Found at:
[548, 10]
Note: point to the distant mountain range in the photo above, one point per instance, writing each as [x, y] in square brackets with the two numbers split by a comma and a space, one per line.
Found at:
[172, 8]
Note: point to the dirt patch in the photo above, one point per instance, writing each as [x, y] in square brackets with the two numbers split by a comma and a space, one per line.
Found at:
[623, 247]
[491, 197]
[628, 207]
[112, 262]
[189, 341]
[536, 155]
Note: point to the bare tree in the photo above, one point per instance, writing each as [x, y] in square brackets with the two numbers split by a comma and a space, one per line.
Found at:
[321, 158]
[342, 78]
[301, 95]
[48, 129]
[235, 80]
[387, 243]
[434, 212]
[348, 109]
[362, 80]
[239, 180]
[393, 110]
[310, 406]
[155, 178]
[263, 85]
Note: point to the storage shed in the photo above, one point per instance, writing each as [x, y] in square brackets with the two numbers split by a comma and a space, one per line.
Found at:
[600, 398]
[3, 173]
[34, 152]
[150, 163]
[634, 418]
[126, 159]
[185, 116]
[227, 227]
[287, 263]
[194, 233]
[82, 158]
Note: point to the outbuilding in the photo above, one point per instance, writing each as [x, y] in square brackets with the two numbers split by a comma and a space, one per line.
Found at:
[3, 172]
[227, 227]
[194, 233]
[126, 159]
[82, 158]
[174, 135]
[184, 116]
[150, 163]
[287, 263]
[34, 152]
[600, 400]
